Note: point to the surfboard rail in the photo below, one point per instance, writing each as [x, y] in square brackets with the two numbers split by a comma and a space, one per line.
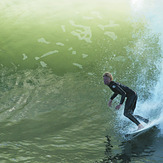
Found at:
[141, 131]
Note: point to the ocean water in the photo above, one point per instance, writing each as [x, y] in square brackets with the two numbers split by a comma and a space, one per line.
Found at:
[53, 103]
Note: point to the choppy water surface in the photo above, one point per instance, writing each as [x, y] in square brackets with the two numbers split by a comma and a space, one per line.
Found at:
[53, 103]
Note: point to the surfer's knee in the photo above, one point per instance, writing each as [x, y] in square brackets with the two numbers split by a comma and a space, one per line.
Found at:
[126, 114]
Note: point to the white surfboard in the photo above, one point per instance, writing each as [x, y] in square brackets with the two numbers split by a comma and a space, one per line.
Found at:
[136, 133]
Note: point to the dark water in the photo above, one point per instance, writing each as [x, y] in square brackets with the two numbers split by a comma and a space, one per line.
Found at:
[53, 103]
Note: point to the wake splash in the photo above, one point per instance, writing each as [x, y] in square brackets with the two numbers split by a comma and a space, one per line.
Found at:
[157, 100]
[152, 108]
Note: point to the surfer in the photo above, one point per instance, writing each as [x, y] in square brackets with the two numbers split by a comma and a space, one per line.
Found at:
[131, 100]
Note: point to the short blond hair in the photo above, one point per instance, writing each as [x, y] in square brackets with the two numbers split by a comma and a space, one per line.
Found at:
[108, 74]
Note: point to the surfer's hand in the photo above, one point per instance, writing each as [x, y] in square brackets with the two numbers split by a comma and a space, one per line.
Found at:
[118, 107]
[109, 103]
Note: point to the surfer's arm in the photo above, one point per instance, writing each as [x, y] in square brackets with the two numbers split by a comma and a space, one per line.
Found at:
[113, 96]
[122, 93]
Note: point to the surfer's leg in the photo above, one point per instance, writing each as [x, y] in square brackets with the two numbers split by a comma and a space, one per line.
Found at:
[142, 118]
[131, 117]
[134, 103]
[129, 109]
[138, 116]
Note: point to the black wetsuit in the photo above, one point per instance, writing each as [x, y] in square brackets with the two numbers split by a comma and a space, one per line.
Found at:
[130, 103]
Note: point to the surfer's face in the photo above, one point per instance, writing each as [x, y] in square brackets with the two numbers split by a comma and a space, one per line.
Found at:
[106, 80]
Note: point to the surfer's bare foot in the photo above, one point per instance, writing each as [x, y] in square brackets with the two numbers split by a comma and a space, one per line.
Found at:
[140, 126]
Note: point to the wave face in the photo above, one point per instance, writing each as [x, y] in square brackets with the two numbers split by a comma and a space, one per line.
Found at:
[53, 103]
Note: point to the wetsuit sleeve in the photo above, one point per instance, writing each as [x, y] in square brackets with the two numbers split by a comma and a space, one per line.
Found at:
[113, 96]
[122, 93]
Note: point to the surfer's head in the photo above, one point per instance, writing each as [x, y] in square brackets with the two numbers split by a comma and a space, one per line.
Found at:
[107, 78]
